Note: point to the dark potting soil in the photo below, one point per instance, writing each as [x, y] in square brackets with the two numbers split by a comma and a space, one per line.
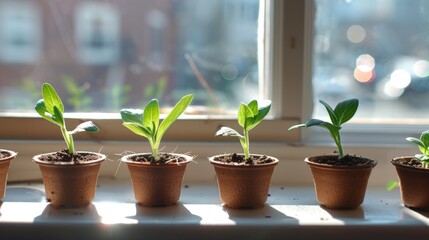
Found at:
[238, 159]
[346, 161]
[412, 162]
[165, 158]
[65, 156]
[4, 154]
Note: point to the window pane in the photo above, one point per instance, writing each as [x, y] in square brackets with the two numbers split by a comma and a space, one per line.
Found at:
[107, 55]
[374, 50]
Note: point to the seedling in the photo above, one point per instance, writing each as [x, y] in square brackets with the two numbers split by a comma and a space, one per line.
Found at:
[249, 116]
[423, 144]
[51, 108]
[342, 113]
[146, 122]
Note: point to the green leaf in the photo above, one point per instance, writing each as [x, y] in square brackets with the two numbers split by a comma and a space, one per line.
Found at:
[132, 116]
[177, 110]
[346, 110]
[415, 141]
[139, 130]
[392, 185]
[262, 113]
[151, 115]
[333, 129]
[42, 111]
[87, 126]
[425, 138]
[331, 112]
[245, 114]
[253, 105]
[51, 98]
[226, 131]
[58, 116]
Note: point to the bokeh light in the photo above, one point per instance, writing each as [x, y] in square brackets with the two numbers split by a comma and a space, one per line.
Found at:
[400, 78]
[421, 68]
[356, 34]
[363, 76]
[365, 63]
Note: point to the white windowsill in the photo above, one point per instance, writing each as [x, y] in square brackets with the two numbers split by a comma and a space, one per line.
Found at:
[289, 212]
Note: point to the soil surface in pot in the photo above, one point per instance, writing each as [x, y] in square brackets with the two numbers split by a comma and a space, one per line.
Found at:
[165, 158]
[414, 162]
[4, 154]
[346, 161]
[238, 159]
[65, 156]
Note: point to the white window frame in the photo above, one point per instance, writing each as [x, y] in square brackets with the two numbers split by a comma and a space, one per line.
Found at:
[290, 70]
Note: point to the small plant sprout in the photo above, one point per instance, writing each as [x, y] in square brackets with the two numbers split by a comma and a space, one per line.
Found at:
[146, 122]
[51, 108]
[249, 116]
[342, 113]
[423, 144]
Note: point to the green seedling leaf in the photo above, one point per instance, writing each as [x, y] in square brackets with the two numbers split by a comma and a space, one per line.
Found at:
[331, 112]
[226, 131]
[248, 117]
[146, 122]
[346, 110]
[151, 115]
[51, 98]
[245, 115]
[177, 110]
[139, 130]
[132, 116]
[51, 108]
[342, 113]
[87, 126]
[392, 185]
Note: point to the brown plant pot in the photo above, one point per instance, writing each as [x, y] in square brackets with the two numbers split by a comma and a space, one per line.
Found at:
[69, 184]
[243, 186]
[413, 184]
[156, 185]
[339, 187]
[4, 170]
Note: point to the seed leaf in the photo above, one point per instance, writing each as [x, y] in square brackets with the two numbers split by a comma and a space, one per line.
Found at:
[151, 115]
[345, 110]
[51, 98]
[227, 131]
[331, 112]
[133, 116]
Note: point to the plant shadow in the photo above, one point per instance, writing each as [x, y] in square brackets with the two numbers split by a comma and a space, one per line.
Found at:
[87, 214]
[346, 214]
[24, 194]
[176, 212]
[265, 213]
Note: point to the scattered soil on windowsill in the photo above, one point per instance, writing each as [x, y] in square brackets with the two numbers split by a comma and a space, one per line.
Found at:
[346, 161]
[411, 162]
[165, 158]
[65, 156]
[4, 154]
[238, 159]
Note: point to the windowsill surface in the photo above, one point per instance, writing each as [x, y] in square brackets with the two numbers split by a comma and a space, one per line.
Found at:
[290, 211]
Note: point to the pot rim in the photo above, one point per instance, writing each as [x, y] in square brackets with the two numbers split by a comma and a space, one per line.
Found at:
[406, 166]
[12, 155]
[126, 157]
[275, 162]
[101, 158]
[307, 160]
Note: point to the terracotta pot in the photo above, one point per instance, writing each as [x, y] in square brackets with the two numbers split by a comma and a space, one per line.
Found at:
[339, 187]
[4, 170]
[243, 186]
[156, 185]
[413, 184]
[68, 184]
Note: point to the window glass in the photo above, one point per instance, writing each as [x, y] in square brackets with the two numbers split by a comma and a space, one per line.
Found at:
[105, 55]
[376, 51]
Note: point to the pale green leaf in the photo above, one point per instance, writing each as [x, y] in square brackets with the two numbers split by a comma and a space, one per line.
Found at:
[132, 116]
[151, 115]
[87, 126]
[262, 113]
[245, 114]
[51, 98]
[174, 114]
[227, 131]
[139, 130]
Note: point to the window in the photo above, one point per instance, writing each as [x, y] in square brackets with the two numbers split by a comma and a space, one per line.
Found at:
[106, 55]
[376, 51]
